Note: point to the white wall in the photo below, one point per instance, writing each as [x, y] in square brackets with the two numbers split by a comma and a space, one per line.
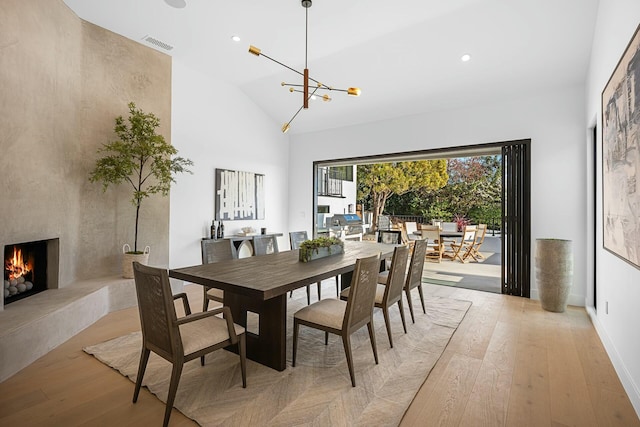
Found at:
[216, 126]
[554, 121]
[618, 283]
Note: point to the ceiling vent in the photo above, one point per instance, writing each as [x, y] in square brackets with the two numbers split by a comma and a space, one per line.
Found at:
[157, 43]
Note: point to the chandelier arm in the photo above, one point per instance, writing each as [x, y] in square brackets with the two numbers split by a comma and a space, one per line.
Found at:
[300, 109]
[284, 65]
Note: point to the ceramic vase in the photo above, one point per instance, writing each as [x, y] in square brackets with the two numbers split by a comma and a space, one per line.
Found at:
[554, 272]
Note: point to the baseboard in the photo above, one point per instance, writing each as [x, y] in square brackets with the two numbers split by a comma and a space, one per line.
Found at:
[574, 299]
[623, 374]
[36, 325]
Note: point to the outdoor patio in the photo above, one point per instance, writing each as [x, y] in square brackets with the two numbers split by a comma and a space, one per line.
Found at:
[483, 275]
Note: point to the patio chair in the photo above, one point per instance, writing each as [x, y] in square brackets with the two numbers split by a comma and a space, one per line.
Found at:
[474, 250]
[461, 250]
[215, 251]
[344, 317]
[179, 340]
[411, 228]
[435, 246]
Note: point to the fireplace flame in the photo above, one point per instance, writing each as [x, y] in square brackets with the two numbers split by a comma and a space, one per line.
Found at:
[16, 266]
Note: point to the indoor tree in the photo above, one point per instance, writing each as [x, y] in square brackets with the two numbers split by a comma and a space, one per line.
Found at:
[140, 157]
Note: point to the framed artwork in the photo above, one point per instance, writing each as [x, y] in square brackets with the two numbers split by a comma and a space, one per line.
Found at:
[621, 156]
[239, 195]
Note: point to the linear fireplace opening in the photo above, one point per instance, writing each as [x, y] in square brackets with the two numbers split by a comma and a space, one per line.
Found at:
[30, 268]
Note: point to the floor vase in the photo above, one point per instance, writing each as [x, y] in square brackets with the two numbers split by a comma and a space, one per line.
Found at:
[554, 272]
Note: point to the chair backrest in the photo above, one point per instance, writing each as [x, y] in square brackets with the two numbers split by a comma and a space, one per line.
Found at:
[469, 233]
[384, 222]
[217, 250]
[265, 245]
[362, 293]
[414, 276]
[480, 233]
[449, 226]
[410, 227]
[397, 272]
[297, 237]
[157, 312]
[390, 236]
[430, 233]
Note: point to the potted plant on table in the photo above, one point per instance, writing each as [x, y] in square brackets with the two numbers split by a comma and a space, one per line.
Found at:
[320, 247]
[143, 159]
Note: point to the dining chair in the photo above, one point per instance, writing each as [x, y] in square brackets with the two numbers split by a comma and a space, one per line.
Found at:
[344, 317]
[215, 251]
[461, 249]
[265, 245]
[390, 236]
[414, 275]
[435, 246]
[295, 239]
[389, 292]
[179, 340]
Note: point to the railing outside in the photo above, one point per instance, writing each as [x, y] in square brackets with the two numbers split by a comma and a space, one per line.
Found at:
[329, 182]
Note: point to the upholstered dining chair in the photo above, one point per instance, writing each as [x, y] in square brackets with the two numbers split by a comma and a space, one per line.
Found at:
[461, 249]
[435, 246]
[265, 245]
[344, 317]
[178, 340]
[295, 239]
[215, 251]
[389, 292]
[414, 275]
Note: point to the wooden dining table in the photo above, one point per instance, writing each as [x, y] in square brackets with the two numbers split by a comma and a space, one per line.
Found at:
[260, 285]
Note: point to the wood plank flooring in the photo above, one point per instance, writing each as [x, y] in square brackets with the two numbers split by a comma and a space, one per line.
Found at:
[509, 364]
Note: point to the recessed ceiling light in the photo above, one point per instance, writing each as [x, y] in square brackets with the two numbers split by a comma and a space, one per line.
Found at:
[178, 4]
[235, 38]
[465, 58]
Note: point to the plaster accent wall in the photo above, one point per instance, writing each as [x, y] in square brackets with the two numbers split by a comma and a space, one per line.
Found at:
[618, 283]
[63, 83]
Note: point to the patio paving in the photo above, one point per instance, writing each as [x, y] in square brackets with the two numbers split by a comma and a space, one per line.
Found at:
[482, 276]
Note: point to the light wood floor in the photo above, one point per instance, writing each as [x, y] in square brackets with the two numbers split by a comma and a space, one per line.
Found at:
[509, 363]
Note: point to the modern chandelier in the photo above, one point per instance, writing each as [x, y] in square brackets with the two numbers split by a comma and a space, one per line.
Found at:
[307, 91]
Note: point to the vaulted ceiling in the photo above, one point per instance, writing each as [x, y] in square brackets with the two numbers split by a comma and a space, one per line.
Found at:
[404, 55]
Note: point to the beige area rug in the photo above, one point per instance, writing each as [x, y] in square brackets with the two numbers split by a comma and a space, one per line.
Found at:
[317, 392]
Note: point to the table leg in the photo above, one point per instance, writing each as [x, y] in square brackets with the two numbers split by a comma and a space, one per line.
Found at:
[270, 344]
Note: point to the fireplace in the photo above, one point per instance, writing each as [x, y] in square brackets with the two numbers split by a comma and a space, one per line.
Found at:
[30, 268]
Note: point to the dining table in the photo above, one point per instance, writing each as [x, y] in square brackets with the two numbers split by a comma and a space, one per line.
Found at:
[260, 285]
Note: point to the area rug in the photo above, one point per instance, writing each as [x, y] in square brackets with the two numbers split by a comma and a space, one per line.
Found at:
[318, 390]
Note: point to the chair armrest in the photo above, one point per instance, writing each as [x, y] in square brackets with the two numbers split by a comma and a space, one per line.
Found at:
[185, 302]
[226, 313]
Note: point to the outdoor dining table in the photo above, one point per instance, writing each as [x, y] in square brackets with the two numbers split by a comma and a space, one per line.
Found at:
[260, 285]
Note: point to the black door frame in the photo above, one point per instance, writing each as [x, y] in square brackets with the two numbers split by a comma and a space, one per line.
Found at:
[516, 275]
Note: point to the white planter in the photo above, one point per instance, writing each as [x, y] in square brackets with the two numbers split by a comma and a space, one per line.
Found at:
[128, 259]
[554, 272]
